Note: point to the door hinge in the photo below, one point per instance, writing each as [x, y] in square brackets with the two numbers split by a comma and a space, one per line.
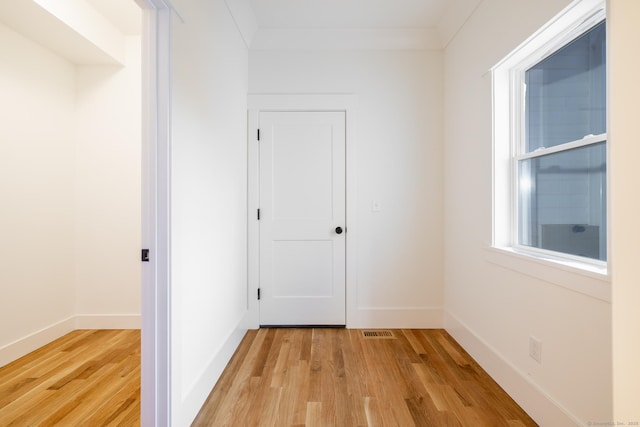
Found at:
[145, 255]
[258, 214]
[258, 134]
[258, 293]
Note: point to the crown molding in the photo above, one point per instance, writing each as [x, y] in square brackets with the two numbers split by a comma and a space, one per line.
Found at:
[455, 17]
[346, 39]
[256, 38]
[245, 19]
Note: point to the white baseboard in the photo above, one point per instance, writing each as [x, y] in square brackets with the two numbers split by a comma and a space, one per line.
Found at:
[396, 317]
[540, 406]
[196, 397]
[31, 342]
[108, 321]
[34, 341]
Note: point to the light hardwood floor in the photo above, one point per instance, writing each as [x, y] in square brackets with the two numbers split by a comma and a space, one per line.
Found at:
[338, 377]
[86, 378]
[277, 377]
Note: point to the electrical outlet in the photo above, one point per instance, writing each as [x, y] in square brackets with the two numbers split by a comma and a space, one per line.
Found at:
[535, 349]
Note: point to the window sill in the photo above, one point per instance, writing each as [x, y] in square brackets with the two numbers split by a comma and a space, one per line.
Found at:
[583, 278]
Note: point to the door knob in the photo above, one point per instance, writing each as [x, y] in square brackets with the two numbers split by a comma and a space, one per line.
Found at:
[338, 230]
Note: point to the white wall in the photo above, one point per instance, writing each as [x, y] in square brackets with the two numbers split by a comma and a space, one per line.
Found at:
[36, 193]
[70, 191]
[208, 206]
[398, 163]
[624, 93]
[108, 193]
[491, 308]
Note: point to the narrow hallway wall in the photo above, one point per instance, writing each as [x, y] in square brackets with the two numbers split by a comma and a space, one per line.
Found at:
[36, 193]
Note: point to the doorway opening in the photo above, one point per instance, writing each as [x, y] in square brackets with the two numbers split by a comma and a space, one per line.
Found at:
[71, 169]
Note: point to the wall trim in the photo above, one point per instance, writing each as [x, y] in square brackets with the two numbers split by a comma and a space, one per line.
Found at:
[560, 273]
[25, 345]
[244, 18]
[108, 321]
[194, 398]
[346, 39]
[534, 400]
[155, 398]
[398, 318]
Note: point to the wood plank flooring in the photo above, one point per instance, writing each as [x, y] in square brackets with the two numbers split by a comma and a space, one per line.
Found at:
[278, 377]
[337, 377]
[86, 378]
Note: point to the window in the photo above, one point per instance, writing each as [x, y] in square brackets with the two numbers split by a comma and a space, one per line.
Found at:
[551, 96]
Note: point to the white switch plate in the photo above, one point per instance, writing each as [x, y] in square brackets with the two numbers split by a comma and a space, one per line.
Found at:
[375, 206]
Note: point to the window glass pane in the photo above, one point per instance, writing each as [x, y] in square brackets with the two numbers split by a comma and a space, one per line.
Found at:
[565, 96]
[562, 202]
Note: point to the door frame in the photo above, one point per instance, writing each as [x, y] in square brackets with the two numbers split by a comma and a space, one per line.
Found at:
[258, 103]
[156, 186]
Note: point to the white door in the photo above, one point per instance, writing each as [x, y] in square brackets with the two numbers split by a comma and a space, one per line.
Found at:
[302, 218]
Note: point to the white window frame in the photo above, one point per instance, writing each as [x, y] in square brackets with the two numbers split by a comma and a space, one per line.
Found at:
[508, 142]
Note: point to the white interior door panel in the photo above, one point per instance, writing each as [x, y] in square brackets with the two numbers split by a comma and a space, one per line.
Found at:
[302, 218]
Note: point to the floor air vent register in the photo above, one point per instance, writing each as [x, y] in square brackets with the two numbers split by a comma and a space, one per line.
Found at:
[385, 334]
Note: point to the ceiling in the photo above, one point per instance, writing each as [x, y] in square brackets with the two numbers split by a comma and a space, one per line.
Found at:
[321, 24]
[125, 15]
[83, 32]
[343, 23]
[351, 24]
[348, 14]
